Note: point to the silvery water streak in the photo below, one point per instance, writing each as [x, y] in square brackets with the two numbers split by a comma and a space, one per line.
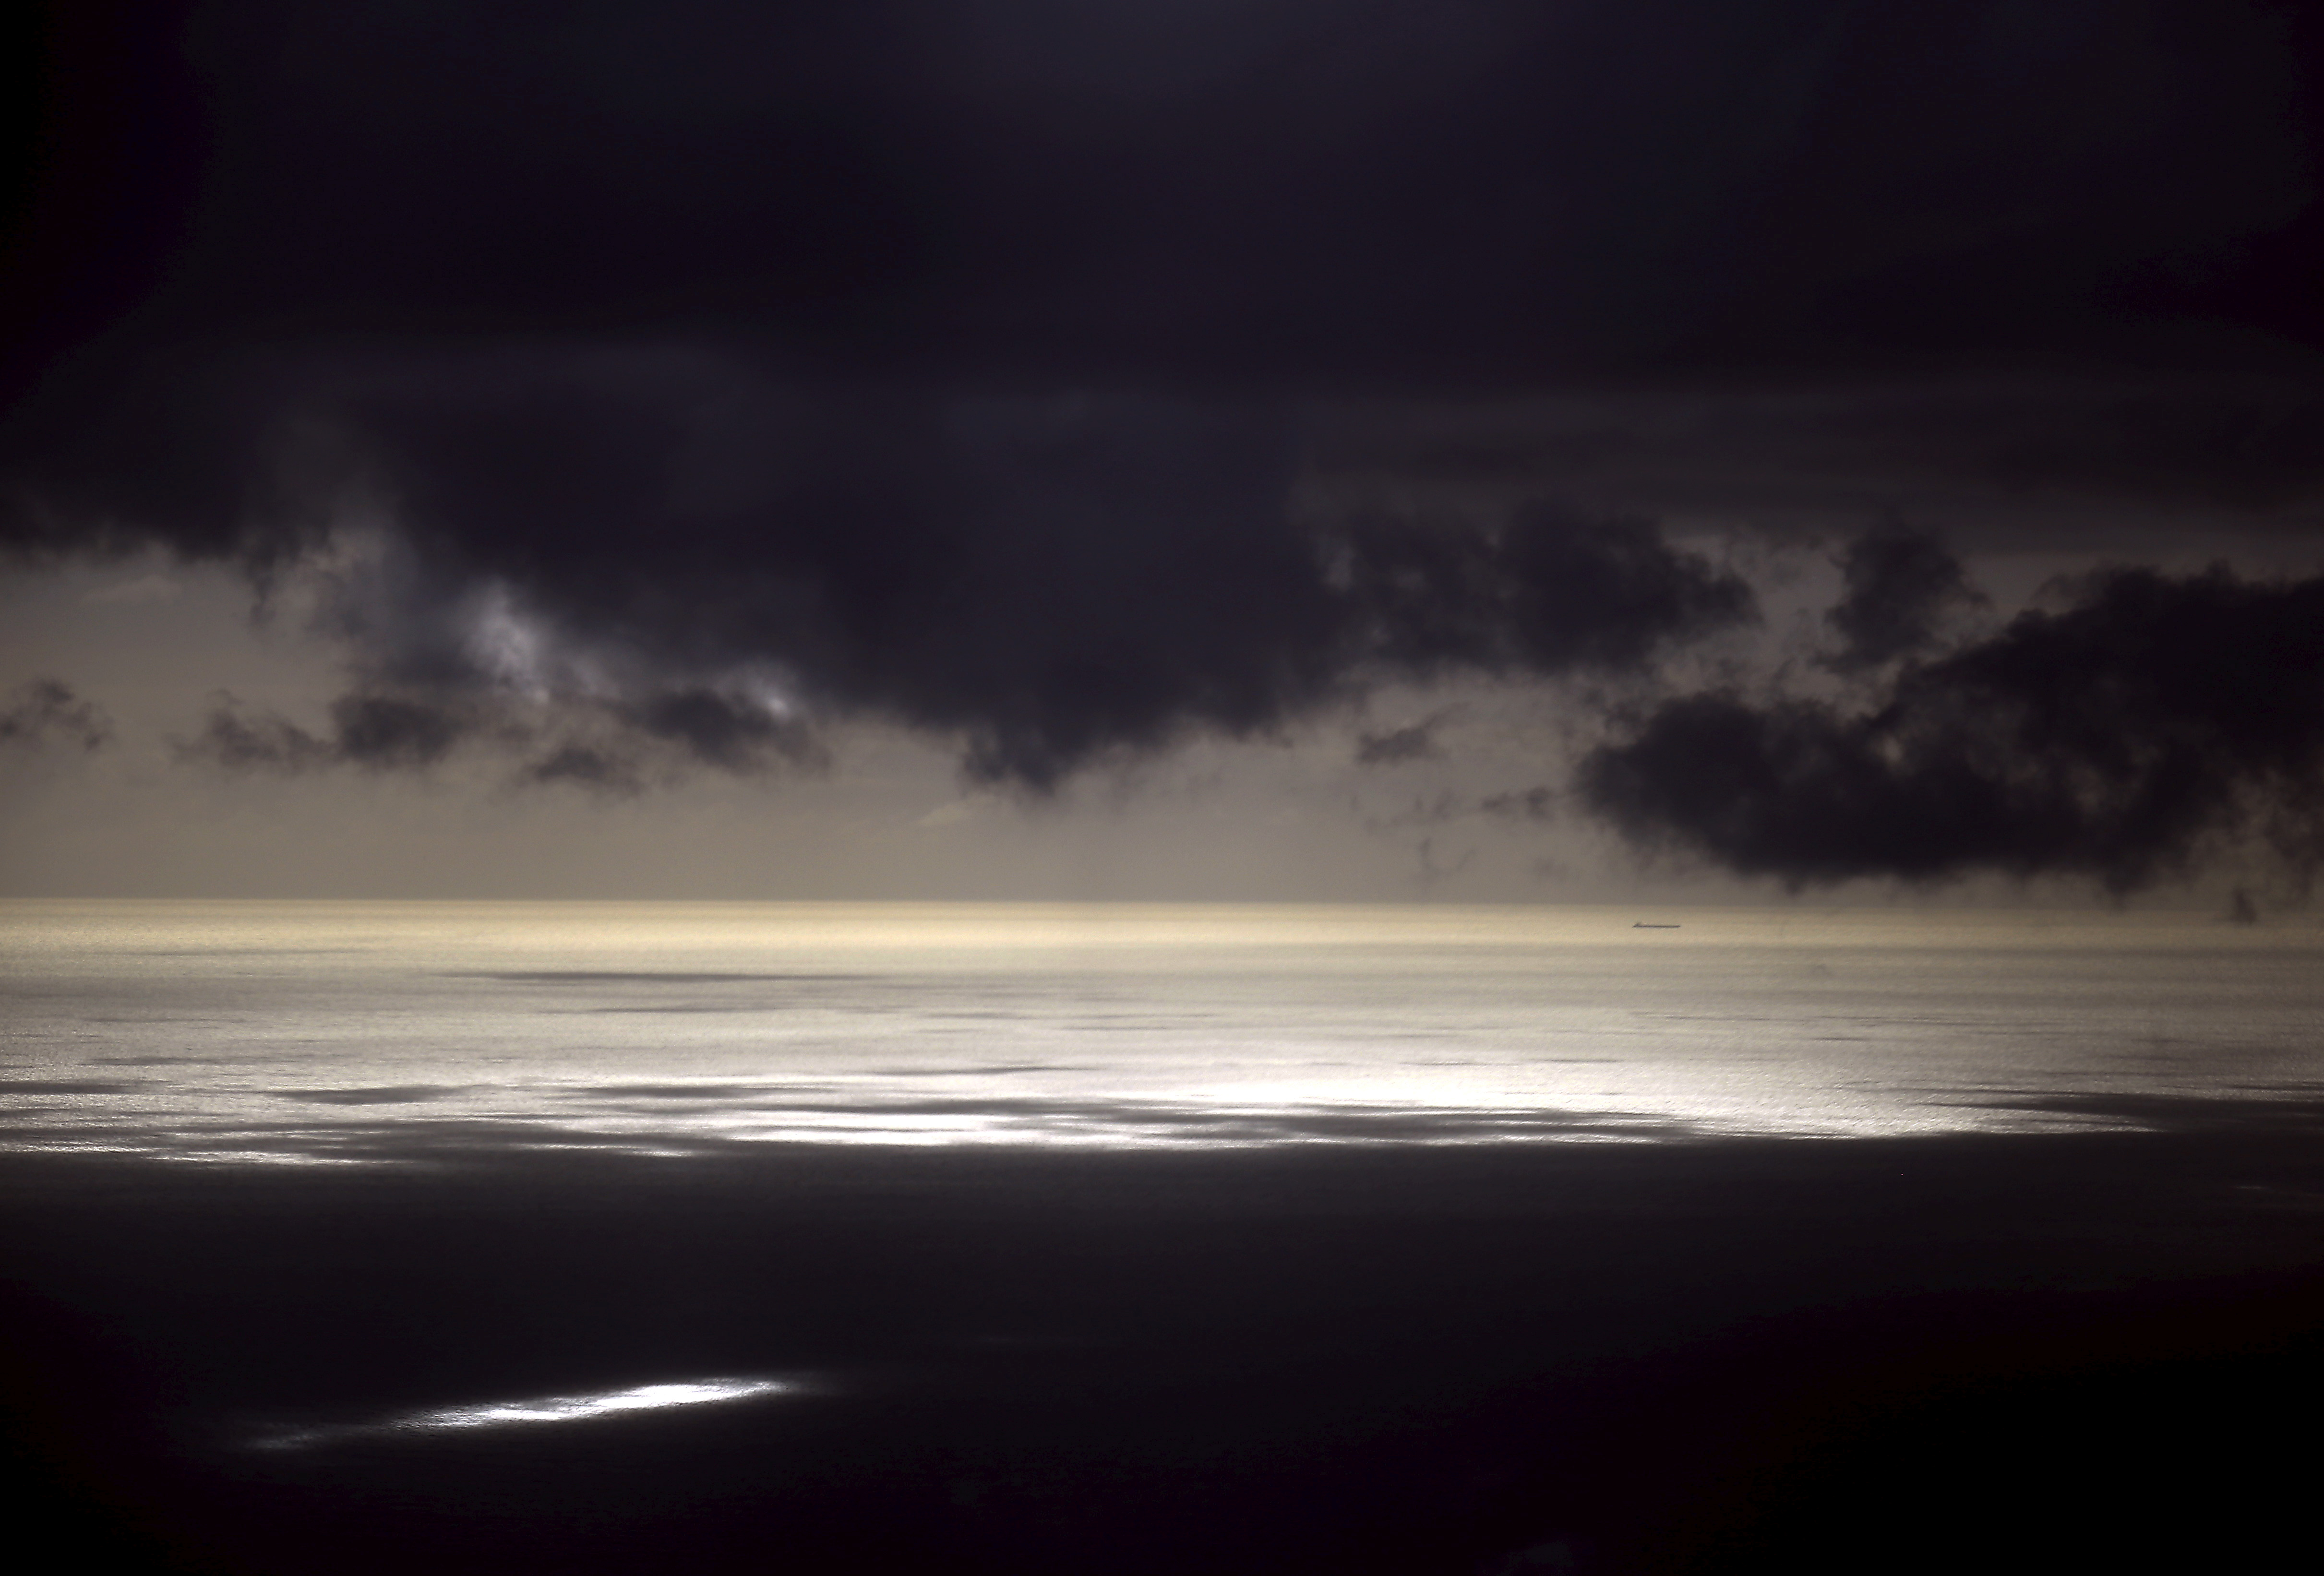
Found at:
[379, 1033]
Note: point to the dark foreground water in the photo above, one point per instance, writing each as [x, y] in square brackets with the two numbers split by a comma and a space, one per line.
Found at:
[2092, 1350]
[448, 1238]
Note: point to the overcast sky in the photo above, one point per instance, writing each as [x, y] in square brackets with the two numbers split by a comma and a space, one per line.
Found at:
[1459, 449]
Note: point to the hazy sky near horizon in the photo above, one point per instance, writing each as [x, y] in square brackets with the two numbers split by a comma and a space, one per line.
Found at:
[1305, 449]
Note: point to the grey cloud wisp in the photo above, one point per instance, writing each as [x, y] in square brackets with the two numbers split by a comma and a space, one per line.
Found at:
[46, 712]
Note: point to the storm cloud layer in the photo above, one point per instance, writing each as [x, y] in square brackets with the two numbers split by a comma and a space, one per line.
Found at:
[1325, 189]
[637, 390]
[1901, 586]
[2122, 739]
[1047, 579]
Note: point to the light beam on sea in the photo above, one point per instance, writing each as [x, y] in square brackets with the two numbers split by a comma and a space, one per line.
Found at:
[385, 1033]
[541, 1409]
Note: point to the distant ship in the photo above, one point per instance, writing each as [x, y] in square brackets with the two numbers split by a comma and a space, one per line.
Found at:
[1641, 924]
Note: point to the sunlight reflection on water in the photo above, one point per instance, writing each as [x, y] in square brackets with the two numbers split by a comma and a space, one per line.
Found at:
[541, 1409]
[310, 1033]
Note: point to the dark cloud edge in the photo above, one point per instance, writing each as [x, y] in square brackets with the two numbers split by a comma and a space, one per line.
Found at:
[2130, 738]
[1050, 582]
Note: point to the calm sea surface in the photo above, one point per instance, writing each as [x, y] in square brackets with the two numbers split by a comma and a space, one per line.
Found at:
[375, 1032]
[1046, 1241]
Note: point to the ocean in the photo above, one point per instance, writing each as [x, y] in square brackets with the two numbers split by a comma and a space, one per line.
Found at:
[1159, 1239]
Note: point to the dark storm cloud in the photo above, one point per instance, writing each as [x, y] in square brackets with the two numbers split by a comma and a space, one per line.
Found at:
[45, 711]
[2122, 738]
[1365, 189]
[1359, 196]
[2039, 458]
[957, 362]
[1546, 593]
[1048, 579]
[1901, 586]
